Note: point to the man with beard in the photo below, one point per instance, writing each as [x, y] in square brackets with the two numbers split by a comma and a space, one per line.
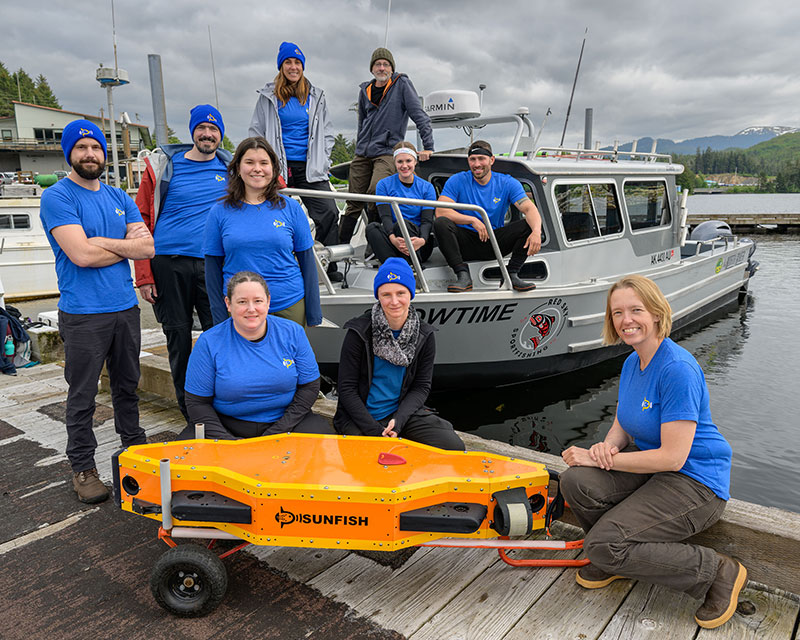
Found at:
[462, 235]
[181, 184]
[94, 230]
[384, 106]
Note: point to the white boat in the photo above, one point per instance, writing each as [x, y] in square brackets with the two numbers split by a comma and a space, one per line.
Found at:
[605, 214]
[27, 263]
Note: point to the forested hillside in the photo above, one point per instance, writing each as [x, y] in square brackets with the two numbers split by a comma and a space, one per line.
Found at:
[21, 87]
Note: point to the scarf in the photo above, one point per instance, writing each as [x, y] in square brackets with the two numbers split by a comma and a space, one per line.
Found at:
[399, 351]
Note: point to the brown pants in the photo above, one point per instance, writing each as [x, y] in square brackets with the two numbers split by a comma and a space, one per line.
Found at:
[635, 524]
[365, 173]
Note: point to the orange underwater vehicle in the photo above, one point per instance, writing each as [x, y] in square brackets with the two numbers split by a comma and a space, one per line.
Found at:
[330, 492]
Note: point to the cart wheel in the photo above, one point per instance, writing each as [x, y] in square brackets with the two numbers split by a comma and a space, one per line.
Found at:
[189, 581]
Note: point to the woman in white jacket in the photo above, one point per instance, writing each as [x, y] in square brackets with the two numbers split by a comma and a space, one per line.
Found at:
[292, 115]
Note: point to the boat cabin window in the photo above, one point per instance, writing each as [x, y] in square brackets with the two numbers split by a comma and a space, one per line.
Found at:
[15, 221]
[647, 203]
[588, 210]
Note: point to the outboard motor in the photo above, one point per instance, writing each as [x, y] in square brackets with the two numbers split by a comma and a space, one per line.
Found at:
[710, 229]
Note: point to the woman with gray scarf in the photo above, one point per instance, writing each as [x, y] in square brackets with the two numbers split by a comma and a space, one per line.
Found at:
[386, 366]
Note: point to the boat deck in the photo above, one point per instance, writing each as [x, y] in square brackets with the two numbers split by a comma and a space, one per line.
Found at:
[98, 558]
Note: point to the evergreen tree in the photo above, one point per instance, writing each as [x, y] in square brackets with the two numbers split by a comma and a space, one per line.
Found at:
[228, 145]
[26, 89]
[44, 94]
[8, 92]
[343, 150]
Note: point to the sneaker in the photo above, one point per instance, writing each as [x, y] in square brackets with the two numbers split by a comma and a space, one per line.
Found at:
[463, 283]
[723, 595]
[590, 577]
[88, 487]
[519, 284]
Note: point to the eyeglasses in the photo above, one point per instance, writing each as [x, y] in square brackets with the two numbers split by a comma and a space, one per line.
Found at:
[382, 64]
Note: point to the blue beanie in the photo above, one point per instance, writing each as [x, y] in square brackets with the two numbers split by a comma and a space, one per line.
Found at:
[205, 113]
[290, 50]
[398, 271]
[78, 129]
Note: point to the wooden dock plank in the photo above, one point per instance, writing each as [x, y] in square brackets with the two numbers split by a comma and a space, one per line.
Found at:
[763, 614]
[299, 564]
[651, 611]
[421, 589]
[568, 610]
[351, 579]
[492, 603]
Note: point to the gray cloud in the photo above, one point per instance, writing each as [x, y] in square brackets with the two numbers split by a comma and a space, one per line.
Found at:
[676, 70]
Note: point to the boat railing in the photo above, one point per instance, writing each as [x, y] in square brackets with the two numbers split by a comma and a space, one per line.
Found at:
[395, 203]
[614, 155]
[727, 240]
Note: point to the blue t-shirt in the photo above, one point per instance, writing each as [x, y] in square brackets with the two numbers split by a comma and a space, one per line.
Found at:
[264, 239]
[294, 129]
[104, 213]
[673, 387]
[495, 197]
[419, 189]
[384, 391]
[253, 381]
[194, 188]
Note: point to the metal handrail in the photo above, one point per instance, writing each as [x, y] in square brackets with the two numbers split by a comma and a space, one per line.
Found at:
[613, 154]
[391, 200]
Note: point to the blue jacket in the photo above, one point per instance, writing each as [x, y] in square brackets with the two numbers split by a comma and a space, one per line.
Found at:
[383, 126]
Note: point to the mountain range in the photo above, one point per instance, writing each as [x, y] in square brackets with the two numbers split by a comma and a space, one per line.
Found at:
[744, 139]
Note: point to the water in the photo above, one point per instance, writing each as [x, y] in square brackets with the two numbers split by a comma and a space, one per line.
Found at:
[749, 358]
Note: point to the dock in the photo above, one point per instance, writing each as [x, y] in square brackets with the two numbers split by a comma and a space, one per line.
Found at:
[752, 222]
[70, 569]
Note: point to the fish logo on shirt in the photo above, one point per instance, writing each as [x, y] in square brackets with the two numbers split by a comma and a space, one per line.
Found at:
[495, 200]
[119, 212]
[543, 323]
[219, 178]
[278, 224]
[84, 132]
[646, 404]
[288, 362]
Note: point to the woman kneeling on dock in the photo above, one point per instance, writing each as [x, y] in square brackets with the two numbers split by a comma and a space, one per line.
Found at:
[386, 367]
[662, 474]
[253, 376]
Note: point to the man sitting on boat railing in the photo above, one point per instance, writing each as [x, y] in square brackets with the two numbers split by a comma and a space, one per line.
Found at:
[462, 235]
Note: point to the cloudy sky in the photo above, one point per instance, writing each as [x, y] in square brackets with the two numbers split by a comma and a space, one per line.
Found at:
[676, 69]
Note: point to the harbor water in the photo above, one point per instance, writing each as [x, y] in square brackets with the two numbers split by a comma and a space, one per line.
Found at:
[750, 361]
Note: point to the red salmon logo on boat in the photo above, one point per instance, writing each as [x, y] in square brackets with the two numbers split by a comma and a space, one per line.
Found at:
[539, 329]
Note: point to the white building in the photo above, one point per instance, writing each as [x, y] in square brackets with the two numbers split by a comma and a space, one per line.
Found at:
[30, 140]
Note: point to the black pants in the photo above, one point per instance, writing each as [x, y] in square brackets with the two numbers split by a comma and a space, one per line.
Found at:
[236, 428]
[181, 288]
[459, 244]
[322, 211]
[89, 341]
[423, 426]
[379, 241]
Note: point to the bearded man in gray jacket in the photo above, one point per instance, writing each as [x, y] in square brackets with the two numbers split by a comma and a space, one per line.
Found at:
[384, 106]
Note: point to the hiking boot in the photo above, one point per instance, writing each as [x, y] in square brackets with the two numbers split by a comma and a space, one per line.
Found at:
[463, 283]
[723, 595]
[519, 284]
[88, 487]
[590, 577]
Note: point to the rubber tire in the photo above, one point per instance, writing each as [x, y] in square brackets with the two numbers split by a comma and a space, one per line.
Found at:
[211, 577]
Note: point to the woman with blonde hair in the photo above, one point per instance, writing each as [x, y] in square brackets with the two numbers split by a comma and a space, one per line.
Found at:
[292, 115]
[662, 474]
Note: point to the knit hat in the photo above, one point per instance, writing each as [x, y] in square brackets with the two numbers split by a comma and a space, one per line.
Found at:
[78, 129]
[290, 50]
[205, 113]
[398, 271]
[381, 53]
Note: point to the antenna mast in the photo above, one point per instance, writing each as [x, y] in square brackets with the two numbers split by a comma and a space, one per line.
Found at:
[574, 82]
[213, 70]
[386, 35]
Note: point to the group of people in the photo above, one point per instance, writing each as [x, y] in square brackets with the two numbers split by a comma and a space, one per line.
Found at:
[212, 234]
